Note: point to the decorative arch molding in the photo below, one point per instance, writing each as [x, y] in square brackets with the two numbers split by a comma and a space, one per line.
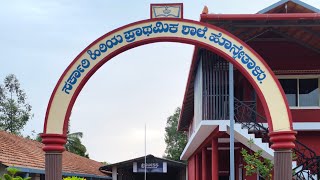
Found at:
[245, 59]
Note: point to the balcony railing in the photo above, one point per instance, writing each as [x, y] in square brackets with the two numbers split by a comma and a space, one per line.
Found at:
[308, 163]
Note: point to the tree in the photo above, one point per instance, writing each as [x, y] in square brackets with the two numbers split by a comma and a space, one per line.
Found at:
[255, 163]
[175, 140]
[15, 112]
[74, 144]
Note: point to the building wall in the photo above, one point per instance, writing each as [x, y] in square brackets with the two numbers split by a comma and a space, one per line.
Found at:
[298, 115]
[182, 174]
[306, 115]
[198, 96]
[35, 176]
[2, 169]
[290, 56]
[286, 55]
[310, 139]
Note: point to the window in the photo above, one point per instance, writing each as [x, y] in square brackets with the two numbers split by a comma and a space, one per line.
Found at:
[301, 92]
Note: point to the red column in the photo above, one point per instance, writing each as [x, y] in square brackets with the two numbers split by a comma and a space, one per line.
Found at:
[214, 160]
[53, 146]
[191, 168]
[204, 164]
[197, 167]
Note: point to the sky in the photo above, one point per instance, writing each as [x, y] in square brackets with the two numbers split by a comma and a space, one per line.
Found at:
[141, 86]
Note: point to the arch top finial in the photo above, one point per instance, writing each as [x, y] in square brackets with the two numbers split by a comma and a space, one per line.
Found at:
[205, 10]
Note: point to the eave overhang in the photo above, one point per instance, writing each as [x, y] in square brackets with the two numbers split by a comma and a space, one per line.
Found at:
[260, 17]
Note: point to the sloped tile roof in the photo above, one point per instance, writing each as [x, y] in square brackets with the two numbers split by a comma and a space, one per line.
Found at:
[20, 152]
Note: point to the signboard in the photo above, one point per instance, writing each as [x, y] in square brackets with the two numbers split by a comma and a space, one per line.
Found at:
[151, 167]
[172, 10]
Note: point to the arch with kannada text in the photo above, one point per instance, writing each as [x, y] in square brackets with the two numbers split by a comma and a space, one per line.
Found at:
[217, 40]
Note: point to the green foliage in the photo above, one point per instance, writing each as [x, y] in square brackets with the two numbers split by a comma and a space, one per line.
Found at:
[73, 178]
[255, 163]
[175, 140]
[294, 156]
[38, 138]
[75, 145]
[12, 175]
[105, 163]
[12, 171]
[14, 110]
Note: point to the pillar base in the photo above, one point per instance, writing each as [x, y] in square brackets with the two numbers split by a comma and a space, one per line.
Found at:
[53, 146]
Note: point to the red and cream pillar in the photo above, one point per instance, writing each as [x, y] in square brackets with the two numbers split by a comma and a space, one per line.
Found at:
[53, 147]
[282, 146]
[214, 159]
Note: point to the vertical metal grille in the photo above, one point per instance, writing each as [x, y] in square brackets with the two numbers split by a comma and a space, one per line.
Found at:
[215, 87]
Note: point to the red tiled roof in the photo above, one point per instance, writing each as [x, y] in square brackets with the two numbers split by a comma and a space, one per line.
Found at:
[20, 152]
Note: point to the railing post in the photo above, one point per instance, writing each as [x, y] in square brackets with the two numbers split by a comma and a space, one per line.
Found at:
[231, 109]
[318, 167]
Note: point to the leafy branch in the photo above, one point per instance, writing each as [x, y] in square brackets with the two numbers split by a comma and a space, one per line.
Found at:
[12, 175]
[255, 163]
[73, 178]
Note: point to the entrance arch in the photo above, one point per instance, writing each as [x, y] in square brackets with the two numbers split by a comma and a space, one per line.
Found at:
[247, 61]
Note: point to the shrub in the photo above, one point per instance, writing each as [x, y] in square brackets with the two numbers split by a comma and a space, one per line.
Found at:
[12, 175]
[73, 178]
[255, 163]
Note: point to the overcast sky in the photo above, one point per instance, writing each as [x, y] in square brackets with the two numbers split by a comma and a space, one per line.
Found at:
[40, 38]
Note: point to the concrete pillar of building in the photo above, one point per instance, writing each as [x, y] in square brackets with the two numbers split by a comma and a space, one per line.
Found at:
[53, 146]
[204, 164]
[197, 167]
[114, 172]
[214, 159]
[282, 145]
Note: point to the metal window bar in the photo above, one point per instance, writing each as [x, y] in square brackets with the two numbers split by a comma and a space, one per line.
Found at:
[215, 86]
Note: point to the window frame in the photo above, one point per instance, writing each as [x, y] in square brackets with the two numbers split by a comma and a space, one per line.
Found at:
[297, 77]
